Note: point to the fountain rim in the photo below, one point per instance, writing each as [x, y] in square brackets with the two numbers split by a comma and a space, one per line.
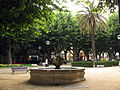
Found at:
[61, 69]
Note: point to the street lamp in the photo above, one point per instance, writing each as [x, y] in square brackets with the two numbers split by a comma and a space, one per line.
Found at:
[71, 48]
[118, 37]
[47, 42]
[46, 62]
[110, 48]
[39, 47]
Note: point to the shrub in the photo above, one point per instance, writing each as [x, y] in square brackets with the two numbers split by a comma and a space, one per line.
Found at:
[14, 65]
[118, 59]
[83, 64]
[107, 63]
[90, 64]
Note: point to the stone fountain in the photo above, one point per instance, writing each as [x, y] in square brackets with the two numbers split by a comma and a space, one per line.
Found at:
[51, 76]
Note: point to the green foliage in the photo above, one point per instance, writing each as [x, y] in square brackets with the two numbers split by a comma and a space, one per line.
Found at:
[101, 39]
[62, 31]
[113, 31]
[83, 64]
[111, 4]
[14, 65]
[18, 21]
[90, 63]
[19, 16]
[21, 12]
[107, 63]
[118, 59]
[15, 15]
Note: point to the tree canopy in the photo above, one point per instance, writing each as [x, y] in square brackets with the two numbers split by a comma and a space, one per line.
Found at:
[20, 16]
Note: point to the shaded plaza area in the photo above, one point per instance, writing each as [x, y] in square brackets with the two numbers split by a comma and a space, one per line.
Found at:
[106, 78]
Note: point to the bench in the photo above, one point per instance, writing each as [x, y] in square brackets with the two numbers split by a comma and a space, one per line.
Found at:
[100, 65]
[34, 65]
[19, 69]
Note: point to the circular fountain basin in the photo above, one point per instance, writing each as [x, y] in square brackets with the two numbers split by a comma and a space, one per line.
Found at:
[49, 76]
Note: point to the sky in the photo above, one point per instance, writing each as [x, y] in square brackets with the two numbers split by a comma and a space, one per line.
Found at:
[74, 8]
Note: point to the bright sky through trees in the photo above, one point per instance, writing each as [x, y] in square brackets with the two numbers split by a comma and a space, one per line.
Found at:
[74, 8]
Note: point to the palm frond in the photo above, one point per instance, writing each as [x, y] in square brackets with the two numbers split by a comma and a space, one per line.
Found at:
[101, 16]
[80, 15]
[91, 5]
[81, 11]
[101, 22]
[89, 18]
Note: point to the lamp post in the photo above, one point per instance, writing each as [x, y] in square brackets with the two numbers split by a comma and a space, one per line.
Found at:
[110, 57]
[47, 59]
[71, 56]
[118, 43]
[39, 47]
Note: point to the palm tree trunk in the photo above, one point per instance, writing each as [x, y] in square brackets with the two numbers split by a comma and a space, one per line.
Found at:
[93, 45]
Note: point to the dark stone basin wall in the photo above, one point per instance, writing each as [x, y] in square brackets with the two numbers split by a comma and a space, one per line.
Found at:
[56, 76]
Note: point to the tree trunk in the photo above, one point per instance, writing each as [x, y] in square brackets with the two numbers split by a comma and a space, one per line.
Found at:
[93, 45]
[78, 52]
[119, 54]
[110, 56]
[57, 67]
[119, 10]
[2, 59]
[65, 53]
[74, 54]
[114, 57]
[99, 56]
[103, 55]
[87, 56]
[8, 57]
[96, 56]
[44, 57]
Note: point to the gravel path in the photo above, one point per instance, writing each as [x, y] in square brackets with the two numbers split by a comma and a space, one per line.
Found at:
[107, 78]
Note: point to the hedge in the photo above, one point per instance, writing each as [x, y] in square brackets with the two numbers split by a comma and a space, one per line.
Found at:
[118, 59]
[90, 63]
[14, 65]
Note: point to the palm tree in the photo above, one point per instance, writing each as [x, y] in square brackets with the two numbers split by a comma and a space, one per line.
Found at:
[90, 19]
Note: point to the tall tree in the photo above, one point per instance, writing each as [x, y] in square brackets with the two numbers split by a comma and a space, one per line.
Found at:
[18, 14]
[113, 30]
[90, 19]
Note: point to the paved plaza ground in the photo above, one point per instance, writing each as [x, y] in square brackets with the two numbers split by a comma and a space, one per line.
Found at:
[107, 78]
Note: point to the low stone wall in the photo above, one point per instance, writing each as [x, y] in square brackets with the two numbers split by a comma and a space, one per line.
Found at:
[56, 76]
